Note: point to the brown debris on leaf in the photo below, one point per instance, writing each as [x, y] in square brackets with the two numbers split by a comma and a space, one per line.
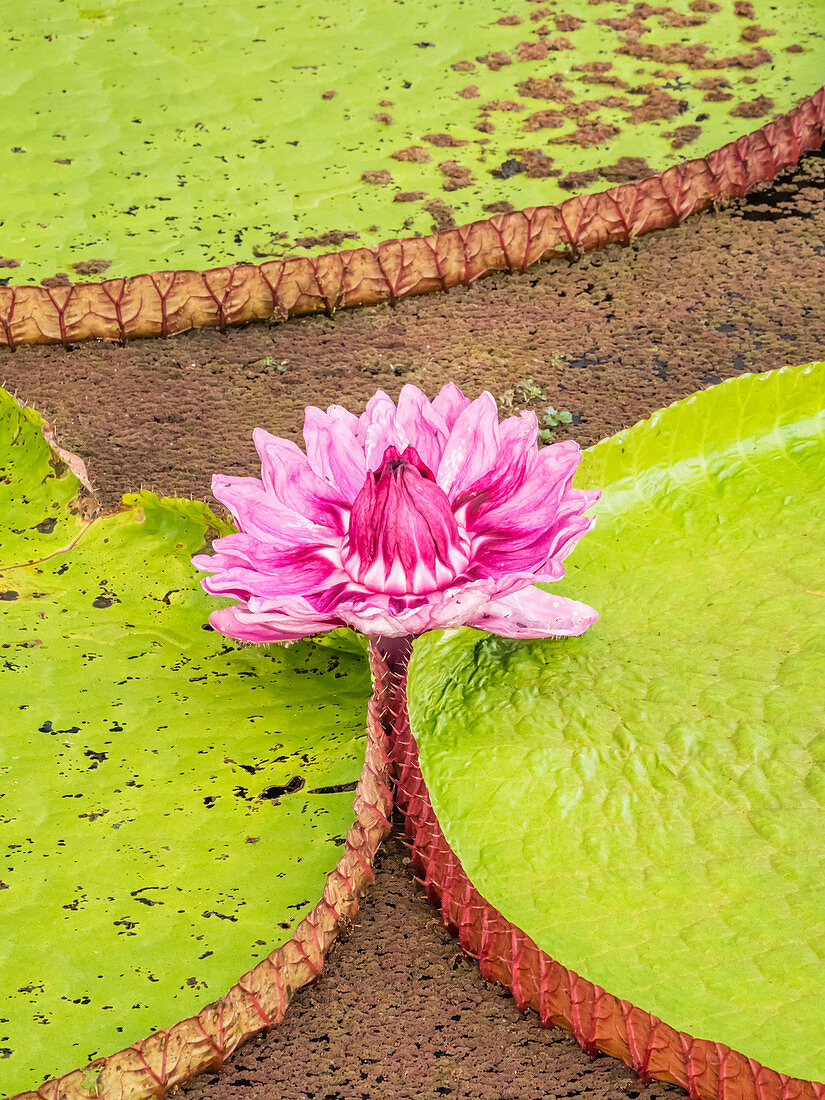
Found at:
[463, 67]
[272, 247]
[578, 181]
[544, 87]
[558, 43]
[444, 141]
[60, 279]
[545, 120]
[717, 96]
[456, 175]
[754, 108]
[658, 104]
[500, 207]
[532, 51]
[409, 196]
[754, 32]
[593, 67]
[5, 262]
[565, 22]
[330, 93]
[501, 105]
[711, 83]
[377, 176]
[495, 60]
[332, 237]
[91, 267]
[510, 20]
[627, 169]
[441, 213]
[678, 19]
[707, 6]
[683, 135]
[470, 92]
[695, 56]
[413, 154]
[591, 132]
[383, 116]
[744, 8]
[610, 80]
[536, 164]
[631, 25]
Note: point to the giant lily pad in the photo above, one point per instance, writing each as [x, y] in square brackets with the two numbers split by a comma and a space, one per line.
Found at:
[647, 802]
[170, 802]
[186, 135]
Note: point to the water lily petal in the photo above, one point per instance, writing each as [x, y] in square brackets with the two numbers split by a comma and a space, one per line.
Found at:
[449, 404]
[295, 620]
[260, 514]
[472, 449]
[376, 428]
[288, 476]
[417, 424]
[334, 453]
[533, 613]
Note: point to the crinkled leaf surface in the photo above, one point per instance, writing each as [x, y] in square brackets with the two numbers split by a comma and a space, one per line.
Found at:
[647, 802]
[184, 135]
[141, 871]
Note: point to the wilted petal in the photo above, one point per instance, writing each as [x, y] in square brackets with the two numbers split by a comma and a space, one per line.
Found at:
[533, 613]
[334, 453]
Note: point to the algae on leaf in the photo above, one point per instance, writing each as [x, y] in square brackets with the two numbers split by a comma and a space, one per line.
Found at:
[170, 802]
[647, 802]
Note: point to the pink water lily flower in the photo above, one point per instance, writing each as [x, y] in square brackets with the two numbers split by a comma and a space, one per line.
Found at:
[426, 515]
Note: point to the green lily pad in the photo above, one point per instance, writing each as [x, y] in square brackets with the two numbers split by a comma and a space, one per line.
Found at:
[170, 802]
[647, 801]
[156, 135]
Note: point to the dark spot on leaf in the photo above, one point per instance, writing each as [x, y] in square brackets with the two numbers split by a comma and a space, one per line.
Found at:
[215, 913]
[46, 526]
[10, 595]
[103, 601]
[338, 788]
[275, 792]
[210, 800]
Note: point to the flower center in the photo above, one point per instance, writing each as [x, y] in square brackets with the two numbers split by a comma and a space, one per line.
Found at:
[403, 538]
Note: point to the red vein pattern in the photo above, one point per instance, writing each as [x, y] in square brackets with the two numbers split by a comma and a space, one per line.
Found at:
[599, 1021]
[153, 1066]
[167, 302]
